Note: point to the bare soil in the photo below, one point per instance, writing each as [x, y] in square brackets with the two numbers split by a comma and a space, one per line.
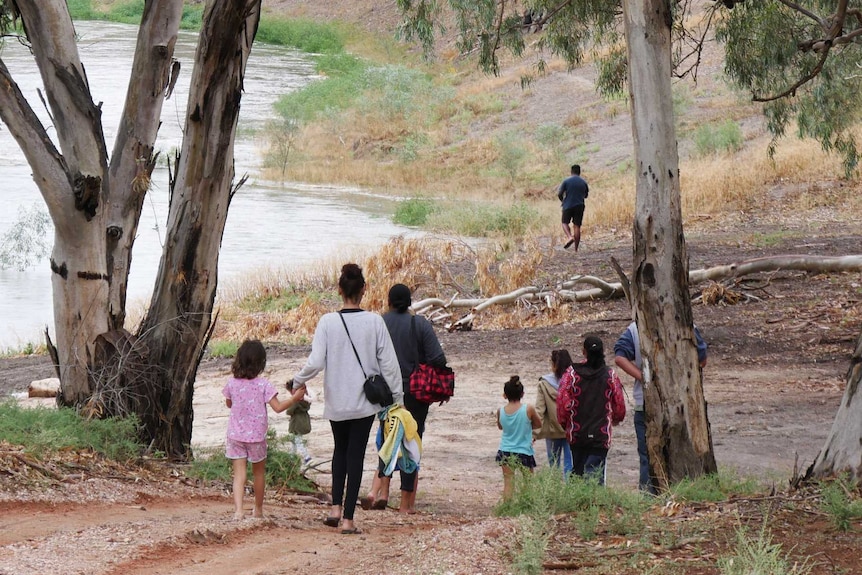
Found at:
[773, 383]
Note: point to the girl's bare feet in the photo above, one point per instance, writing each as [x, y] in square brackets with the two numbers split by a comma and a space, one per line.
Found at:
[258, 513]
[238, 516]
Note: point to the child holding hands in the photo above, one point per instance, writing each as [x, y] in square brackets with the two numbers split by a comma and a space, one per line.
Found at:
[517, 421]
[246, 395]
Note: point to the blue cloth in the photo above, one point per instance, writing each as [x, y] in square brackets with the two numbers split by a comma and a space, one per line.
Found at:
[573, 191]
[559, 453]
[517, 432]
[627, 346]
[589, 462]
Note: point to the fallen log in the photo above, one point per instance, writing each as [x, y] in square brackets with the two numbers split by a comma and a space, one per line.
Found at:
[602, 289]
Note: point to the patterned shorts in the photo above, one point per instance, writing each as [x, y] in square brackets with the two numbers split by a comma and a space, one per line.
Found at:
[254, 451]
[527, 461]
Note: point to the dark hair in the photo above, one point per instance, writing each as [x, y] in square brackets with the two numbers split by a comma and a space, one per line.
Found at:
[351, 281]
[513, 389]
[250, 360]
[594, 350]
[561, 360]
[399, 298]
[576, 169]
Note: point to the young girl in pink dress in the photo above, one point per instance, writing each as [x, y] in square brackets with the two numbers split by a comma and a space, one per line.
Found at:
[246, 395]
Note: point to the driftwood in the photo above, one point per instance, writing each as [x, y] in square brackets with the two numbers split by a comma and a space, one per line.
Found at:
[437, 309]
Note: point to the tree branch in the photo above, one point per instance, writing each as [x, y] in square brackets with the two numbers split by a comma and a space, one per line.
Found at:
[33, 139]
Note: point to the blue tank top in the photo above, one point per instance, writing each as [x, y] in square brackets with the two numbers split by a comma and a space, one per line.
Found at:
[517, 432]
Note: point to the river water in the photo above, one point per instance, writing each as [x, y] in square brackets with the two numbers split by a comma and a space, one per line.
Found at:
[270, 225]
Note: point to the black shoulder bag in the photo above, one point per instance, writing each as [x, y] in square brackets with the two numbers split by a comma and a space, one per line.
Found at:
[375, 386]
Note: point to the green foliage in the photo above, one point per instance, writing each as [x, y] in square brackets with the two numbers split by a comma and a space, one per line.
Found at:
[771, 52]
[486, 219]
[713, 139]
[512, 153]
[485, 28]
[338, 90]
[83, 10]
[223, 348]
[413, 212]
[306, 35]
[712, 487]
[42, 431]
[534, 535]
[27, 241]
[283, 468]
[281, 300]
[759, 556]
[839, 504]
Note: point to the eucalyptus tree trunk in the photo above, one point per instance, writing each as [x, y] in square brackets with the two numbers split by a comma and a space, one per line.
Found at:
[678, 435]
[177, 324]
[842, 452]
[94, 208]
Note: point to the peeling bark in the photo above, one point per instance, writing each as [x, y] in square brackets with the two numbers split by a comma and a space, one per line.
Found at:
[678, 435]
[178, 322]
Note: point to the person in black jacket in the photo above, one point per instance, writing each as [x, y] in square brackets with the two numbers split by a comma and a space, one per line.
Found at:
[415, 342]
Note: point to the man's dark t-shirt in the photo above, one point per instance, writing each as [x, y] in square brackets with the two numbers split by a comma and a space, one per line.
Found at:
[573, 192]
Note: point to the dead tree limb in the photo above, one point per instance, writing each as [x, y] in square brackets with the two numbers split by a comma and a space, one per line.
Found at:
[602, 289]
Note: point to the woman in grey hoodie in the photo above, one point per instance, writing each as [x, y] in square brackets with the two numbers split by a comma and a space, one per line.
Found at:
[559, 453]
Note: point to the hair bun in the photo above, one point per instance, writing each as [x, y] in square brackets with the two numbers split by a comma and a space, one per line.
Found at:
[351, 271]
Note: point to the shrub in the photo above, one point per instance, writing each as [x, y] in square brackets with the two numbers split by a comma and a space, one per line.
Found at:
[713, 139]
[413, 212]
[759, 556]
[839, 505]
[484, 219]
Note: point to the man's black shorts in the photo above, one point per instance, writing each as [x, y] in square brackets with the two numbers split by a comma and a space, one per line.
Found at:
[575, 215]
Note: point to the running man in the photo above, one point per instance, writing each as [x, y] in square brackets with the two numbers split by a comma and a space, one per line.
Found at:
[573, 191]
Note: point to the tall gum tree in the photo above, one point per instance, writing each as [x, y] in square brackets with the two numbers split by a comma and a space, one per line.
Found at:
[801, 60]
[95, 204]
[678, 434]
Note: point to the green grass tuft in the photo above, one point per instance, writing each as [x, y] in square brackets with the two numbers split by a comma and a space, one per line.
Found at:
[714, 139]
[838, 503]
[414, 212]
[42, 431]
[713, 487]
[283, 469]
[223, 348]
[485, 219]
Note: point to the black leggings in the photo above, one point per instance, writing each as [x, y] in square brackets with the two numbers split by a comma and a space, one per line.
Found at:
[419, 411]
[351, 439]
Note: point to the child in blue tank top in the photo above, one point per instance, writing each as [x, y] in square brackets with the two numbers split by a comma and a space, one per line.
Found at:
[517, 421]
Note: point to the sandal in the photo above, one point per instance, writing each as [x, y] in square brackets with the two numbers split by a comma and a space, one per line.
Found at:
[379, 504]
[332, 521]
[351, 531]
[366, 503]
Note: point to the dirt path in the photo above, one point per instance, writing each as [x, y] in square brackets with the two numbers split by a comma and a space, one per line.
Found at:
[773, 383]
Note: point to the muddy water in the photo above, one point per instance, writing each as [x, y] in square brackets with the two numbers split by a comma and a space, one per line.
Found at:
[271, 224]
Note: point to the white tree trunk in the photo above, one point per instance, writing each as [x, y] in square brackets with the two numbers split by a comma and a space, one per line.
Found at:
[842, 452]
[94, 212]
[678, 436]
